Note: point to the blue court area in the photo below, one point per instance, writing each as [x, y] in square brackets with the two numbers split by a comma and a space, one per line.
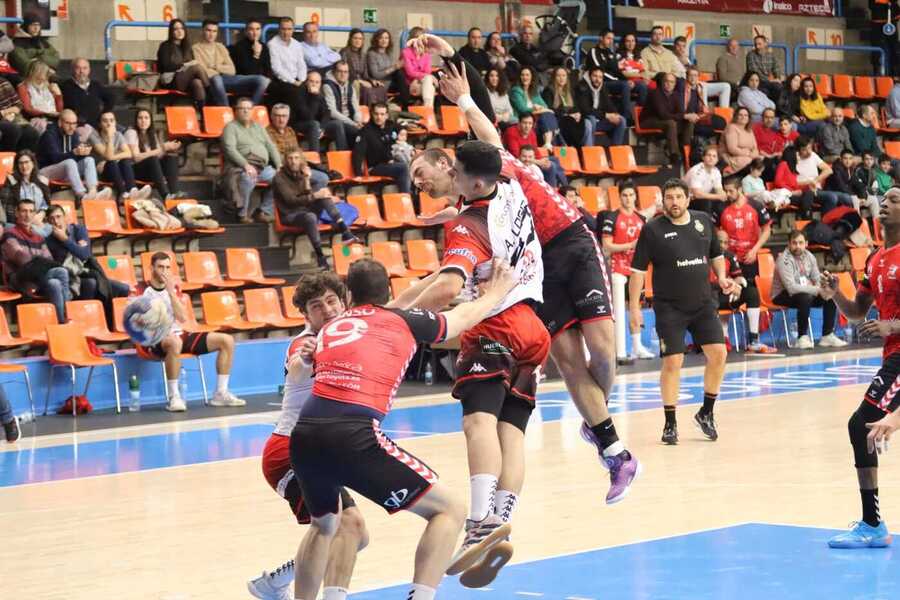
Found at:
[753, 561]
[139, 453]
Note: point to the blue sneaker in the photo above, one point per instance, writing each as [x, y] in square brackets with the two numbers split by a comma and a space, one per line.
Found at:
[862, 535]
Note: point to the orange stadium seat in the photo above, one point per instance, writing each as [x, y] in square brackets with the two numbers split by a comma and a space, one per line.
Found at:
[7, 339]
[181, 121]
[390, 254]
[262, 305]
[591, 195]
[118, 267]
[883, 87]
[622, 159]
[401, 284]
[594, 161]
[613, 200]
[568, 159]
[638, 129]
[423, 255]
[260, 114]
[7, 164]
[68, 347]
[92, 318]
[864, 87]
[203, 268]
[398, 208]
[370, 213]
[287, 298]
[843, 87]
[215, 118]
[343, 255]
[33, 320]
[243, 264]
[222, 309]
[102, 217]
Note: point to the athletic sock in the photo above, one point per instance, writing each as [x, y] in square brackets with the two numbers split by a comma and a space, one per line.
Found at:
[334, 593]
[222, 383]
[709, 400]
[636, 342]
[505, 504]
[670, 414]
[753, 323]
[420, 592]
[172, 387]
[605, 432]
[483, 487]
[871, 512]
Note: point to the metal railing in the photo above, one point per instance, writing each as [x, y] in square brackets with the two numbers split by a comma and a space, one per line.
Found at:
[107, 33]
[788, 64]
[800, 47]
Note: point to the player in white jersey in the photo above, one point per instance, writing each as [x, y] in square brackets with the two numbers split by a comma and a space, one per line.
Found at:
[321, 298]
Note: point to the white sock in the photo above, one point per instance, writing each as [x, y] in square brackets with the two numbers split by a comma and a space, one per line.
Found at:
[420, 592]
[222, 383]
[636, 342]
[483, 486]
[724, 325]
[506, 503]
[334, 593]
[753, 320]
[172, 387]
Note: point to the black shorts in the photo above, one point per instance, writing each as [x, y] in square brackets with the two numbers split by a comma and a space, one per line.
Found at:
[883, 391]
[330, 453]
[750, 271]
[576, 280]
[191, 343]
[672, 322]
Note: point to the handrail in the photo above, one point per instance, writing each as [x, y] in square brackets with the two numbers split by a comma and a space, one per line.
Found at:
[788, 64]
[596, 38]
[110, 25]
[15, 20]
[800, 47]
[404, 35]
[333, 28]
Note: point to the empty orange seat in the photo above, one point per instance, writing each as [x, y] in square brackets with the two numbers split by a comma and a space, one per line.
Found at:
[390, 254]
[342, 162]
[370, 213]
[102, 216]
[648, 195]
[222, 309]
[401, 284]
[67, 347]
[8, 340]
[429, 205]
[287, 298]
[118, 267]
[423, 255]
[7, 295]
[181, 121]
[203, 268]
[594, 161]
[622, 159]
[215, 118]
[262, 306]
[864, 87]
[883, 87]
[398, 208]
[892, 149]
[33, 320]
[92, 318]
[453, 118]
[190, 324]
[823, 85]
[591, 195]
[450, 129]
[7, 164]
[568, 159]
[260, 114]
[343, 255]
[244, 264]
[843, 87]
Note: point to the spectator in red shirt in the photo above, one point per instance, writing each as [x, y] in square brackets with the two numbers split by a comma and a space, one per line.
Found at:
[787, 132]
[523, 134]
[769, 142]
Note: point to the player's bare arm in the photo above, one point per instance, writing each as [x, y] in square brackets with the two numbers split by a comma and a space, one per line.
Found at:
[854, 310]
[445, 287]
[408, 297]
[454, 85]
[468, 314]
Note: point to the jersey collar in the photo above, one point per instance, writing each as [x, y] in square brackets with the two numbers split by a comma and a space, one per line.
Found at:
[486, 198]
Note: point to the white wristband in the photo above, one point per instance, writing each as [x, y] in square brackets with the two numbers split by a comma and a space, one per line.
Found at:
[465, 102]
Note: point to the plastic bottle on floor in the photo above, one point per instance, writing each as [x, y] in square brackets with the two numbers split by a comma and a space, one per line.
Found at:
[134, 394]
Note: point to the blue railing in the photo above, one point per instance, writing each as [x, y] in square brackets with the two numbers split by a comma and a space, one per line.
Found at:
[107, 33]
[15, 20]
[404, 35]
[788, 64]
[880, 52]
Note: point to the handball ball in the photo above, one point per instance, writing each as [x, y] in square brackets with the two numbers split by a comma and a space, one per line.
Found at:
[147, 321]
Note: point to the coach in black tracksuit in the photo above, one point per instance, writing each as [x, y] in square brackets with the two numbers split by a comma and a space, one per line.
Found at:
[681, 245]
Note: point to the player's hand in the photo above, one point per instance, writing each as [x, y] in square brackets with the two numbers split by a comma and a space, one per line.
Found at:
[750, 258]
[454, 84]
[728, 286]
[440, 217]
[880, 432]
[828, 285]
[502, 280]
[879, 328]
[308, 349]
[427, 42]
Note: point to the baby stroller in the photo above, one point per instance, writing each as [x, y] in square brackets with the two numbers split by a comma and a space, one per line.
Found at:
[558, 32]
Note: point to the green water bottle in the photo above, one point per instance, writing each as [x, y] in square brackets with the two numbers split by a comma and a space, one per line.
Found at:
[134, 391]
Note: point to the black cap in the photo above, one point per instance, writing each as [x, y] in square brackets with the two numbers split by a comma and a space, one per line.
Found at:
[29, 19]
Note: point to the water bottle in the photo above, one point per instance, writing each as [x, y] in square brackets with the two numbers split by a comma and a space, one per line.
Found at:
[134, 392]
[429, 374]
[182, 384]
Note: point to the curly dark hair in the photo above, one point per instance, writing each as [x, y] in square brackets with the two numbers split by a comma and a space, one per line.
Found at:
[313, 285]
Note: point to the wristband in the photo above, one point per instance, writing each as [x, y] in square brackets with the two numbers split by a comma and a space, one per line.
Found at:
[465, 102]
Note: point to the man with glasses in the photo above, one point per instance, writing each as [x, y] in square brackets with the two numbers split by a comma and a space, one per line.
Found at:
[251, 158]
[62, 154]
[222, 74]
[319, 57]
[249, 55]
[342, 101]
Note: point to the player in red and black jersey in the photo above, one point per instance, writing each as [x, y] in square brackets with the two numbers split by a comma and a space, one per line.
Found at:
[743, 294]
[361, 357]
[878, 415]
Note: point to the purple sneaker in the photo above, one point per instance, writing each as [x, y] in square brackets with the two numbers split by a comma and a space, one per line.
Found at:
[623, 468]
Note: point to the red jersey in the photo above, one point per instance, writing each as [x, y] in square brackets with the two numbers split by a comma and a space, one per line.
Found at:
[624, 229]
[362, 355]
[552, 212]
[881, 282]
[743, 225]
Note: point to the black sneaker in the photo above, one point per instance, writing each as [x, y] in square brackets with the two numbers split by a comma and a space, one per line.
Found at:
[625, 361]
[670, 434]
[707, 424]
[348, 238]
[13, 433]
[322, 262]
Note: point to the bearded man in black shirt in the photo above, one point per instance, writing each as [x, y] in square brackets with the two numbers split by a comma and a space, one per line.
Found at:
[681, 245]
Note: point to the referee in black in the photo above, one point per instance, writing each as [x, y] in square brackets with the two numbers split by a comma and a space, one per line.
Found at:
[681, 245]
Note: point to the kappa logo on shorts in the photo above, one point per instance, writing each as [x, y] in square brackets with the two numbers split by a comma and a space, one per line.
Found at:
[477, 368]
[397, 499]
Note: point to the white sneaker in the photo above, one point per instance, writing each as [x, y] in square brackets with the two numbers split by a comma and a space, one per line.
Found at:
[804, 342]
[831, 341]
[142, 194]
[643, 353]
[176, 404]
[226, 398]
[89, 196]
[104, 194]
[275, 585]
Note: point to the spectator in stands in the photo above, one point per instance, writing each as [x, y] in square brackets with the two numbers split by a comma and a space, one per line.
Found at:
[41, 99]
[739, 143]
[605, 56]
[164, 286]
[282, 134]
[28, 264]
[833, 137]
[499, 57]
[754, 188]
[597, 109]
[373, 147]
[370, 90]
[8, 419]
[796, 284]
[714, 89]
[788, 102]
[288, 66]
[319, 56]
[705, 182]
[526, 98]
[523, 134]
[473, 53]
[659, 59]
[729, 68]
[631, 64]
[863, 135]
[813, 111]
[417, 67]
[385, 69]
[665, 110]
[695, 103]
[15, 131]
[786, 131]
[71, 241]
[118, 164]
[762, 61]
[752, 97]
[31, 45]
[24, 183]
[804, 173]
[528, 52]
[342, 103]
[528, 157]
[885, 174]
[841, 179]
[154, 159]
[892, 104]
[178, 70]
[864, 182]
[62, 154]
[498, 90]
[300, 199]
[251, 158]
[313, 119]
[249, 54]
[213, 56]
[769, 142]
[680, 50]
[88, 98]
[575, 129]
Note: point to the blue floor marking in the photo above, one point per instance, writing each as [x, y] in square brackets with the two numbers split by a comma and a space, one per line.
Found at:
[753, 561]
[88, 459]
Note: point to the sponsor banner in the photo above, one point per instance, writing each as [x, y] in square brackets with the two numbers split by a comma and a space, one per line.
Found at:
[824, 8]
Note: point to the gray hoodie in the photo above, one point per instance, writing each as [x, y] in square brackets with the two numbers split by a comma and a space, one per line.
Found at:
[796, 275]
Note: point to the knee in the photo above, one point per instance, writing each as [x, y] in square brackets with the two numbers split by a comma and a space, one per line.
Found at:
[672, 363]
[326, 525]
[856, 428]
[226, 342]
[477, 422]
[354, 526]
[716, 354]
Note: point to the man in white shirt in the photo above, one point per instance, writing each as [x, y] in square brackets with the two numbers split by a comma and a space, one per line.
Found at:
[288, 66]
[705, 183]
[319, 57]
[812, 171]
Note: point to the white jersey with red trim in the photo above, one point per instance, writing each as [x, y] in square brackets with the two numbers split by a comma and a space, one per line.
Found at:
[298, 384]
